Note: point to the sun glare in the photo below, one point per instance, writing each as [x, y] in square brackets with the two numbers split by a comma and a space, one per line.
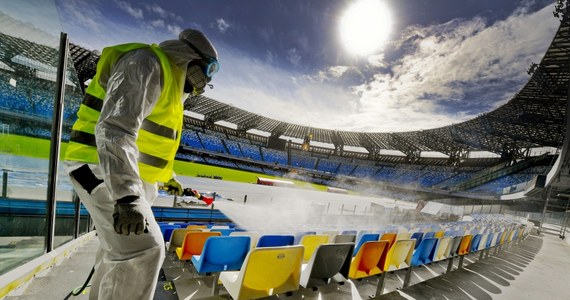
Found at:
[365, 26]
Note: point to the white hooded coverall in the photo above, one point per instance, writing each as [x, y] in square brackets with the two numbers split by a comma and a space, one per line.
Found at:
[127, 266]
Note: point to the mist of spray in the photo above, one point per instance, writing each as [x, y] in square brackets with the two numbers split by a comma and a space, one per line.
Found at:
[288, 210]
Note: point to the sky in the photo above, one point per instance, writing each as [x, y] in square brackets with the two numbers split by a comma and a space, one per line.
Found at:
[442, 62]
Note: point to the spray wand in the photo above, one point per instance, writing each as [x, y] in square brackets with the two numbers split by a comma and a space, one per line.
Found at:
[188, 192]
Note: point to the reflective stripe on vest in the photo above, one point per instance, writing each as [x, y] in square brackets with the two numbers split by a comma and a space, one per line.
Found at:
[159, 135]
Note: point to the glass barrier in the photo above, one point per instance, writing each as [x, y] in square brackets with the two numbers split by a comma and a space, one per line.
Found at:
[29, 50]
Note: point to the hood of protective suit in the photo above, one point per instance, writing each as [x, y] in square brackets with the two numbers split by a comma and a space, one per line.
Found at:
[181, 54]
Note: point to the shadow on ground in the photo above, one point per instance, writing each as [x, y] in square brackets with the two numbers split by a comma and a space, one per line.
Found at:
[478, 280]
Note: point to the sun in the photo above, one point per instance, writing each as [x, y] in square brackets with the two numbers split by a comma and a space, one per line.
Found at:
[365, 26]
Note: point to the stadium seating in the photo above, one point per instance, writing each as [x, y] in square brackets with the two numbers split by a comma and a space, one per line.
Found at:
[300, 235]
[190, 138]
[177, 238]
[474, 247]
[193, 244]
[212, 143]
[390, 237]
[233, 148]
[275, 240]
[267, 271]
[363, 171]
[221, 254]
[423, 253]
[366, 262]
[327, 165]
[332, 234]
[166, 230]
[345, 169]
[303, 161]
[327, 261]
[252, 236]
[274, 156]
[367, 237]
[418, 236]
[311, 242]
[443, 248]
[403, 236]
[399, 256]
[344, 238]
[251, 151]
[223, 231]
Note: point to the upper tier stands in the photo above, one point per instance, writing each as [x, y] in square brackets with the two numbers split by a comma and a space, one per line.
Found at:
[30, 98]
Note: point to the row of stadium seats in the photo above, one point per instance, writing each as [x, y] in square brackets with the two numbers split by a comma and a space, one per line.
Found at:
[313, 260]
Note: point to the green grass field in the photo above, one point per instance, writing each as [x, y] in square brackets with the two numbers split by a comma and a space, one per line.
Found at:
[39, 148]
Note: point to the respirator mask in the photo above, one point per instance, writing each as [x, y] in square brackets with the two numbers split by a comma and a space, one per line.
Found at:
[200, 72]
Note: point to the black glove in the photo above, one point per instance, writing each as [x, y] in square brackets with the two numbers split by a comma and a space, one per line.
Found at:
[128, 216]
[173, 187]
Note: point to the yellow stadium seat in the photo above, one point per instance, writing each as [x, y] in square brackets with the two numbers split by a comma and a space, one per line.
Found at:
[200, 227]
[443, 248]
[504, 236]
[403, 236]
[266, 271]
[439, 234]
[311, 242]
[512, 235]
[366, 261]
[400, 255]
[193, 244]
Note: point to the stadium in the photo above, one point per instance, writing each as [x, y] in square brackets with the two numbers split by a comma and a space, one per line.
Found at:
[387, 215]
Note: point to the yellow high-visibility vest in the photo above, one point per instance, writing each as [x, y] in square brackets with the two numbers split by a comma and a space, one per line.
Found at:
[159, 135]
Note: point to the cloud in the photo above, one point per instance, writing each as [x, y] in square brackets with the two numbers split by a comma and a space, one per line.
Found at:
[269, 57]
[174, 29]
[448, 73]
[454, 71]
[158, 10]
[88, 26]
[75, 12]
[293, 56]
[376, 60]
[157, 23]
[137, 13]
[337, 71]
[162, 13]
[222, 25]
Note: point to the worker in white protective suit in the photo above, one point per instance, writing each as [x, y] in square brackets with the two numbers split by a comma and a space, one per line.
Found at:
[124, 142]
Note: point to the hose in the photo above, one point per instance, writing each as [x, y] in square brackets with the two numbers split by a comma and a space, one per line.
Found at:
[78, 290]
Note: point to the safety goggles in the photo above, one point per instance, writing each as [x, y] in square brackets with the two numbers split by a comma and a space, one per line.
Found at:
[210, 66]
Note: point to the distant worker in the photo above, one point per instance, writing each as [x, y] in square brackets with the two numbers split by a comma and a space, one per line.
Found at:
[124, 142]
